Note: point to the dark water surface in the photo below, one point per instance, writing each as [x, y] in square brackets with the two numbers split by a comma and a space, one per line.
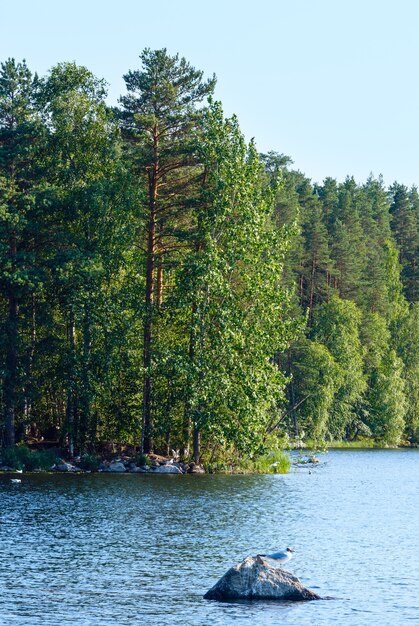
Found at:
[102, 550]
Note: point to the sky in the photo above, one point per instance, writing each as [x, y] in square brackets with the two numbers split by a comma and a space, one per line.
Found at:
[331, 83]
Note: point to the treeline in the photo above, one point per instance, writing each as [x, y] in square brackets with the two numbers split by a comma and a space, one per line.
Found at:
[352, 267]
[163, 284]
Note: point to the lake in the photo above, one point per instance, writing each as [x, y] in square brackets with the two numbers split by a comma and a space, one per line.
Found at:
[104, 549]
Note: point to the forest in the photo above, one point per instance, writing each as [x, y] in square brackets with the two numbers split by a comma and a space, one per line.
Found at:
[164, 284]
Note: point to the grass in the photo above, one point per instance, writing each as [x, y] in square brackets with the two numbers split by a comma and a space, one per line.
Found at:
[359, 444]
[272, 462]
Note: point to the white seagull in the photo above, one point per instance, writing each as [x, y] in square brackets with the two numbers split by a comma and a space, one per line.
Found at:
[281, 557]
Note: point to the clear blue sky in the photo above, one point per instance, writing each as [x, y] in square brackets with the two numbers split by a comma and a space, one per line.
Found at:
[332, 83]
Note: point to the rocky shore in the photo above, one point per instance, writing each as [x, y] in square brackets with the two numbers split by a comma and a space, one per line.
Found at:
[120, 465]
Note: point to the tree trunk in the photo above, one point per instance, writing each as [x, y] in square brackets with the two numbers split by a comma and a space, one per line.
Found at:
[160, 268]
[168, 438]
[292, 397]
[10, 378]
[187, 419]
[147, 421]
[71, 384]
[199, 412]
[301, 288]
[160, 281]
[28, 374]
[313, 273]
[196, 444]
[85, 400]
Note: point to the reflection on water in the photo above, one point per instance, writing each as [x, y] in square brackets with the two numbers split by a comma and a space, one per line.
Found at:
[137, 549]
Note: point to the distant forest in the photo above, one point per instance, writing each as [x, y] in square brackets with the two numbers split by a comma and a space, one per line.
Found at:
[165, 285]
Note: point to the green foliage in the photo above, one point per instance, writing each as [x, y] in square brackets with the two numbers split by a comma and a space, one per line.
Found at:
[337, 325]
[406, 332]
[159, 121]
[21, 457]
[316, 378]
[159, 280]
[229, 289]
[142, 459]
[404, 212]
[386, 401]
[89, 462]
[273, 462]
[359, 443]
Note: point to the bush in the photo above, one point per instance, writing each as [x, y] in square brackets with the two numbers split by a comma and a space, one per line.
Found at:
[10, 459]
[142, 459]
[217, 467]
[273, 462]
[21, 457]
[89, 462]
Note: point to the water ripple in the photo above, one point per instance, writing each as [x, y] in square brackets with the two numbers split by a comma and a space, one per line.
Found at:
[138, 550]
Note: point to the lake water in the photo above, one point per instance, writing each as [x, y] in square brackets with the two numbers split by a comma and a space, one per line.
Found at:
[104, 550]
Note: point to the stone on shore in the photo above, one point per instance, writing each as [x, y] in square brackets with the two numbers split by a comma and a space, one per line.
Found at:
[118, 466]
[63, 466]
[167, 469]
[255, 579]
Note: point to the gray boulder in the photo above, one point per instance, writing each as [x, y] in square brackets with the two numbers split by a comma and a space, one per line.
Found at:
[118, 466]
[63, 466]
[255, 579]
[167, 469]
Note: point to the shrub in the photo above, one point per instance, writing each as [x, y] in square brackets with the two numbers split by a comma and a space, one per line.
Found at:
[9, 458]
[142, 459]
[217, 467]
[89, 462]
[273, 462]
[21, 457]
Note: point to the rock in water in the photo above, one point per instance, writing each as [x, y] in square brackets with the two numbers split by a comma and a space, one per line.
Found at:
[255, 579]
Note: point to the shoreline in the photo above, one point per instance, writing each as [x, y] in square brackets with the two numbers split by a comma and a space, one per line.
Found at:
[169, 466]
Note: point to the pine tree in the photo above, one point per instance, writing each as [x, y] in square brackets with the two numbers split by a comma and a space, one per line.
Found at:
[158, 117]
[316, 264]
[378, 273]
[19, 278]
[404, 211]
[81, 158]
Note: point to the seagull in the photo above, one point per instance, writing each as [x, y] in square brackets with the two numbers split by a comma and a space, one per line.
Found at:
[15, 480]
[280, 557]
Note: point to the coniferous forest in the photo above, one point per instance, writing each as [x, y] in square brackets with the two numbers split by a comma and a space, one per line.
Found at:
[165, 285]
